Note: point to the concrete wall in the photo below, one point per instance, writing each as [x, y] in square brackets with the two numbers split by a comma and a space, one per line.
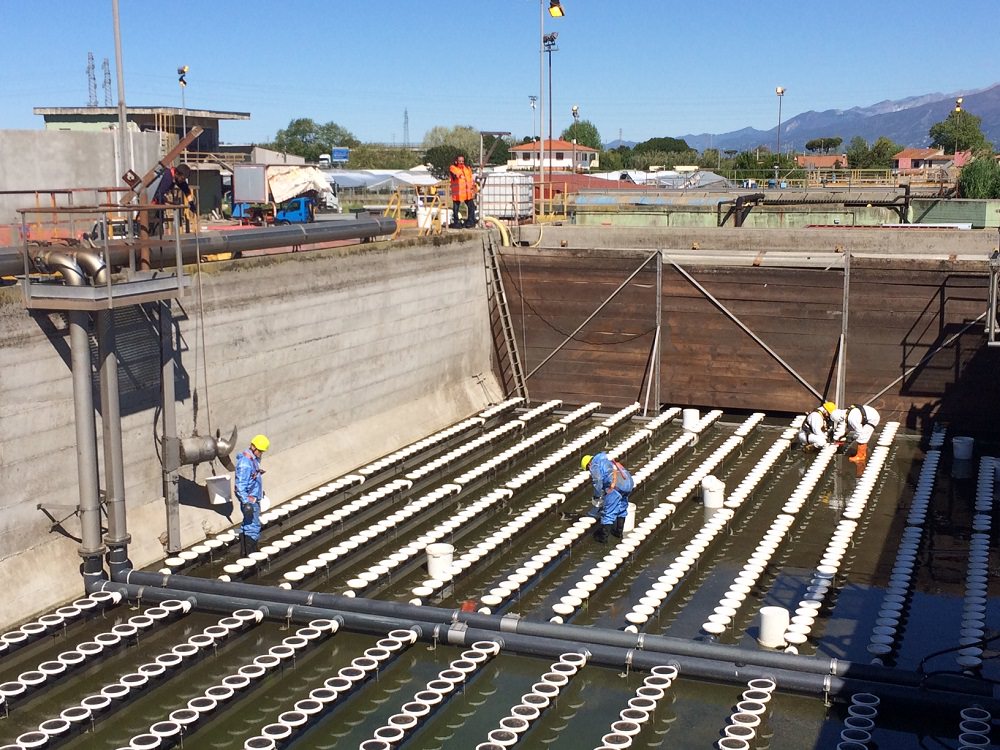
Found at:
[965, 244]
[338, 355]
[981, 213]
[55, 159]
[762, 217]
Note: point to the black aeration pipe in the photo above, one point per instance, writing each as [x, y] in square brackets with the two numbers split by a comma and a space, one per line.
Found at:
[209, 243]
[591, 637]
[459, 634]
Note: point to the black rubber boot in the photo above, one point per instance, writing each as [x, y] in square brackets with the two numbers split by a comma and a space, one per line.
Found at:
[601, 533]
[619, 527]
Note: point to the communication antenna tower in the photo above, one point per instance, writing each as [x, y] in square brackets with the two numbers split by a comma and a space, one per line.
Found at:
[106, 67]
[91, 81]
[406, 127]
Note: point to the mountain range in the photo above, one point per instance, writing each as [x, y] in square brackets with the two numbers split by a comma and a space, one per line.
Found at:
[904, 121]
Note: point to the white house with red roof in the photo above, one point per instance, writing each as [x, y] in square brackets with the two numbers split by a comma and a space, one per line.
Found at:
[559, 155]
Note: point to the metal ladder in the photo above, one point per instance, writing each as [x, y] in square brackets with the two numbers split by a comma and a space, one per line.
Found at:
[511, 373]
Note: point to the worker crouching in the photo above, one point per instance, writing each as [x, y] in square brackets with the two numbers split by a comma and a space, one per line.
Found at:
[612, 486]
[860, 423]
[815, 431]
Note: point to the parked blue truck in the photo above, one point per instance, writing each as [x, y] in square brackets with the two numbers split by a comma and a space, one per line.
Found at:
[280, 194]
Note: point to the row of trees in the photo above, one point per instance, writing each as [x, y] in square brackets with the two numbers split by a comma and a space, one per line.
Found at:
[960, 131]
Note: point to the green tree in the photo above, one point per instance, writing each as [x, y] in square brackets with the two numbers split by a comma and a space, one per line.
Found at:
[858, 153]
[585, 133]
[710, 158]
[826, 145]
[613, 160]
[439, 158]
[501, 149]
[663, 144]
[980, 178]
[367, 156]
[306, 138]
[882, 152]
[878, 156]
[464, 138]
[960, 131]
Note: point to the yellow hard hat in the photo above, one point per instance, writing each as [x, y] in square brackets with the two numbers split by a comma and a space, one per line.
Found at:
[585, 461]
[260, 442]
[829, 407]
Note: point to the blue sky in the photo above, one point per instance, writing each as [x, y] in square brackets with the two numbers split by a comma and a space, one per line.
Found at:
[645, 68]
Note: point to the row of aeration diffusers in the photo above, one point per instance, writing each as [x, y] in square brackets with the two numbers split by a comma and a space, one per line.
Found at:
[217, 544]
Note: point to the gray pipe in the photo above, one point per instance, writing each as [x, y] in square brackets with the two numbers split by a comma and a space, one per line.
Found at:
[592, 637]
[91, 547]
[454, 633]
[12, 262]
[57, 260]
[170, 446]
[117, 538]
[93, 265]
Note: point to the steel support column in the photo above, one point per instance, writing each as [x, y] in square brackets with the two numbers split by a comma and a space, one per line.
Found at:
[170, 447]
[117, 538]
[91, 547]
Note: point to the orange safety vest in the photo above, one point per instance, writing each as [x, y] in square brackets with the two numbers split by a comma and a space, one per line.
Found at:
[463, 186]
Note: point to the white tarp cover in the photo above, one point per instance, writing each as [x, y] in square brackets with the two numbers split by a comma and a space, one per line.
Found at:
[375, 179]
[286, 182]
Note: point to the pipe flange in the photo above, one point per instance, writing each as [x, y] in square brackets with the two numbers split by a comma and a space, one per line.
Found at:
[456, 633]
[509, 622]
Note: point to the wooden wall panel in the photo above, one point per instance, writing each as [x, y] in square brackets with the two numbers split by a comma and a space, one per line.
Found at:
[899, 310]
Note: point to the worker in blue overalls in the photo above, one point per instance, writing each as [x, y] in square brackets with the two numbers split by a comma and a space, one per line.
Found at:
[249, 486]
[612, 486]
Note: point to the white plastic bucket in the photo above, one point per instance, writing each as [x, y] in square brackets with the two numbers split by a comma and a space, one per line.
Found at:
[629, 519]
[219, 489]
[773, 624]
[713, 492]
[439, 559]
[426, 215]
[961, 448]
[689, 419]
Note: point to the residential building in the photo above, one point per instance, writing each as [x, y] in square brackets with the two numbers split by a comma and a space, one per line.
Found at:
[560, 155]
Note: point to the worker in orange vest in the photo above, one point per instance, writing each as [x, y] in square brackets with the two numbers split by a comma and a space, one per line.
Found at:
[463, 190]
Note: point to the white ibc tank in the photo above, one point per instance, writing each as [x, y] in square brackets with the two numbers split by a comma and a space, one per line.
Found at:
[507, 195]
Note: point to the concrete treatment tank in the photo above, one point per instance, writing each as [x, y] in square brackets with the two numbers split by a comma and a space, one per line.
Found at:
[507, 195]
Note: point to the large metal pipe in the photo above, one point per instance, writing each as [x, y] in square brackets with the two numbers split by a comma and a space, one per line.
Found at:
[91, 546]
[590, 636]
[12, 259]
[705, 667]
[93, 265]
[91, 549]
[170, 451]
[117, 538]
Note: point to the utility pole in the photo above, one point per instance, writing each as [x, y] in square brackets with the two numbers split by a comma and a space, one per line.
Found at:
[91, 81]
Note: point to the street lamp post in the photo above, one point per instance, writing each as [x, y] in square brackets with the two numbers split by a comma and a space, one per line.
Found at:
[533, 100]
[556, 11]
[576, 119]
[780, 91]
[549, 40]
[182, 82]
